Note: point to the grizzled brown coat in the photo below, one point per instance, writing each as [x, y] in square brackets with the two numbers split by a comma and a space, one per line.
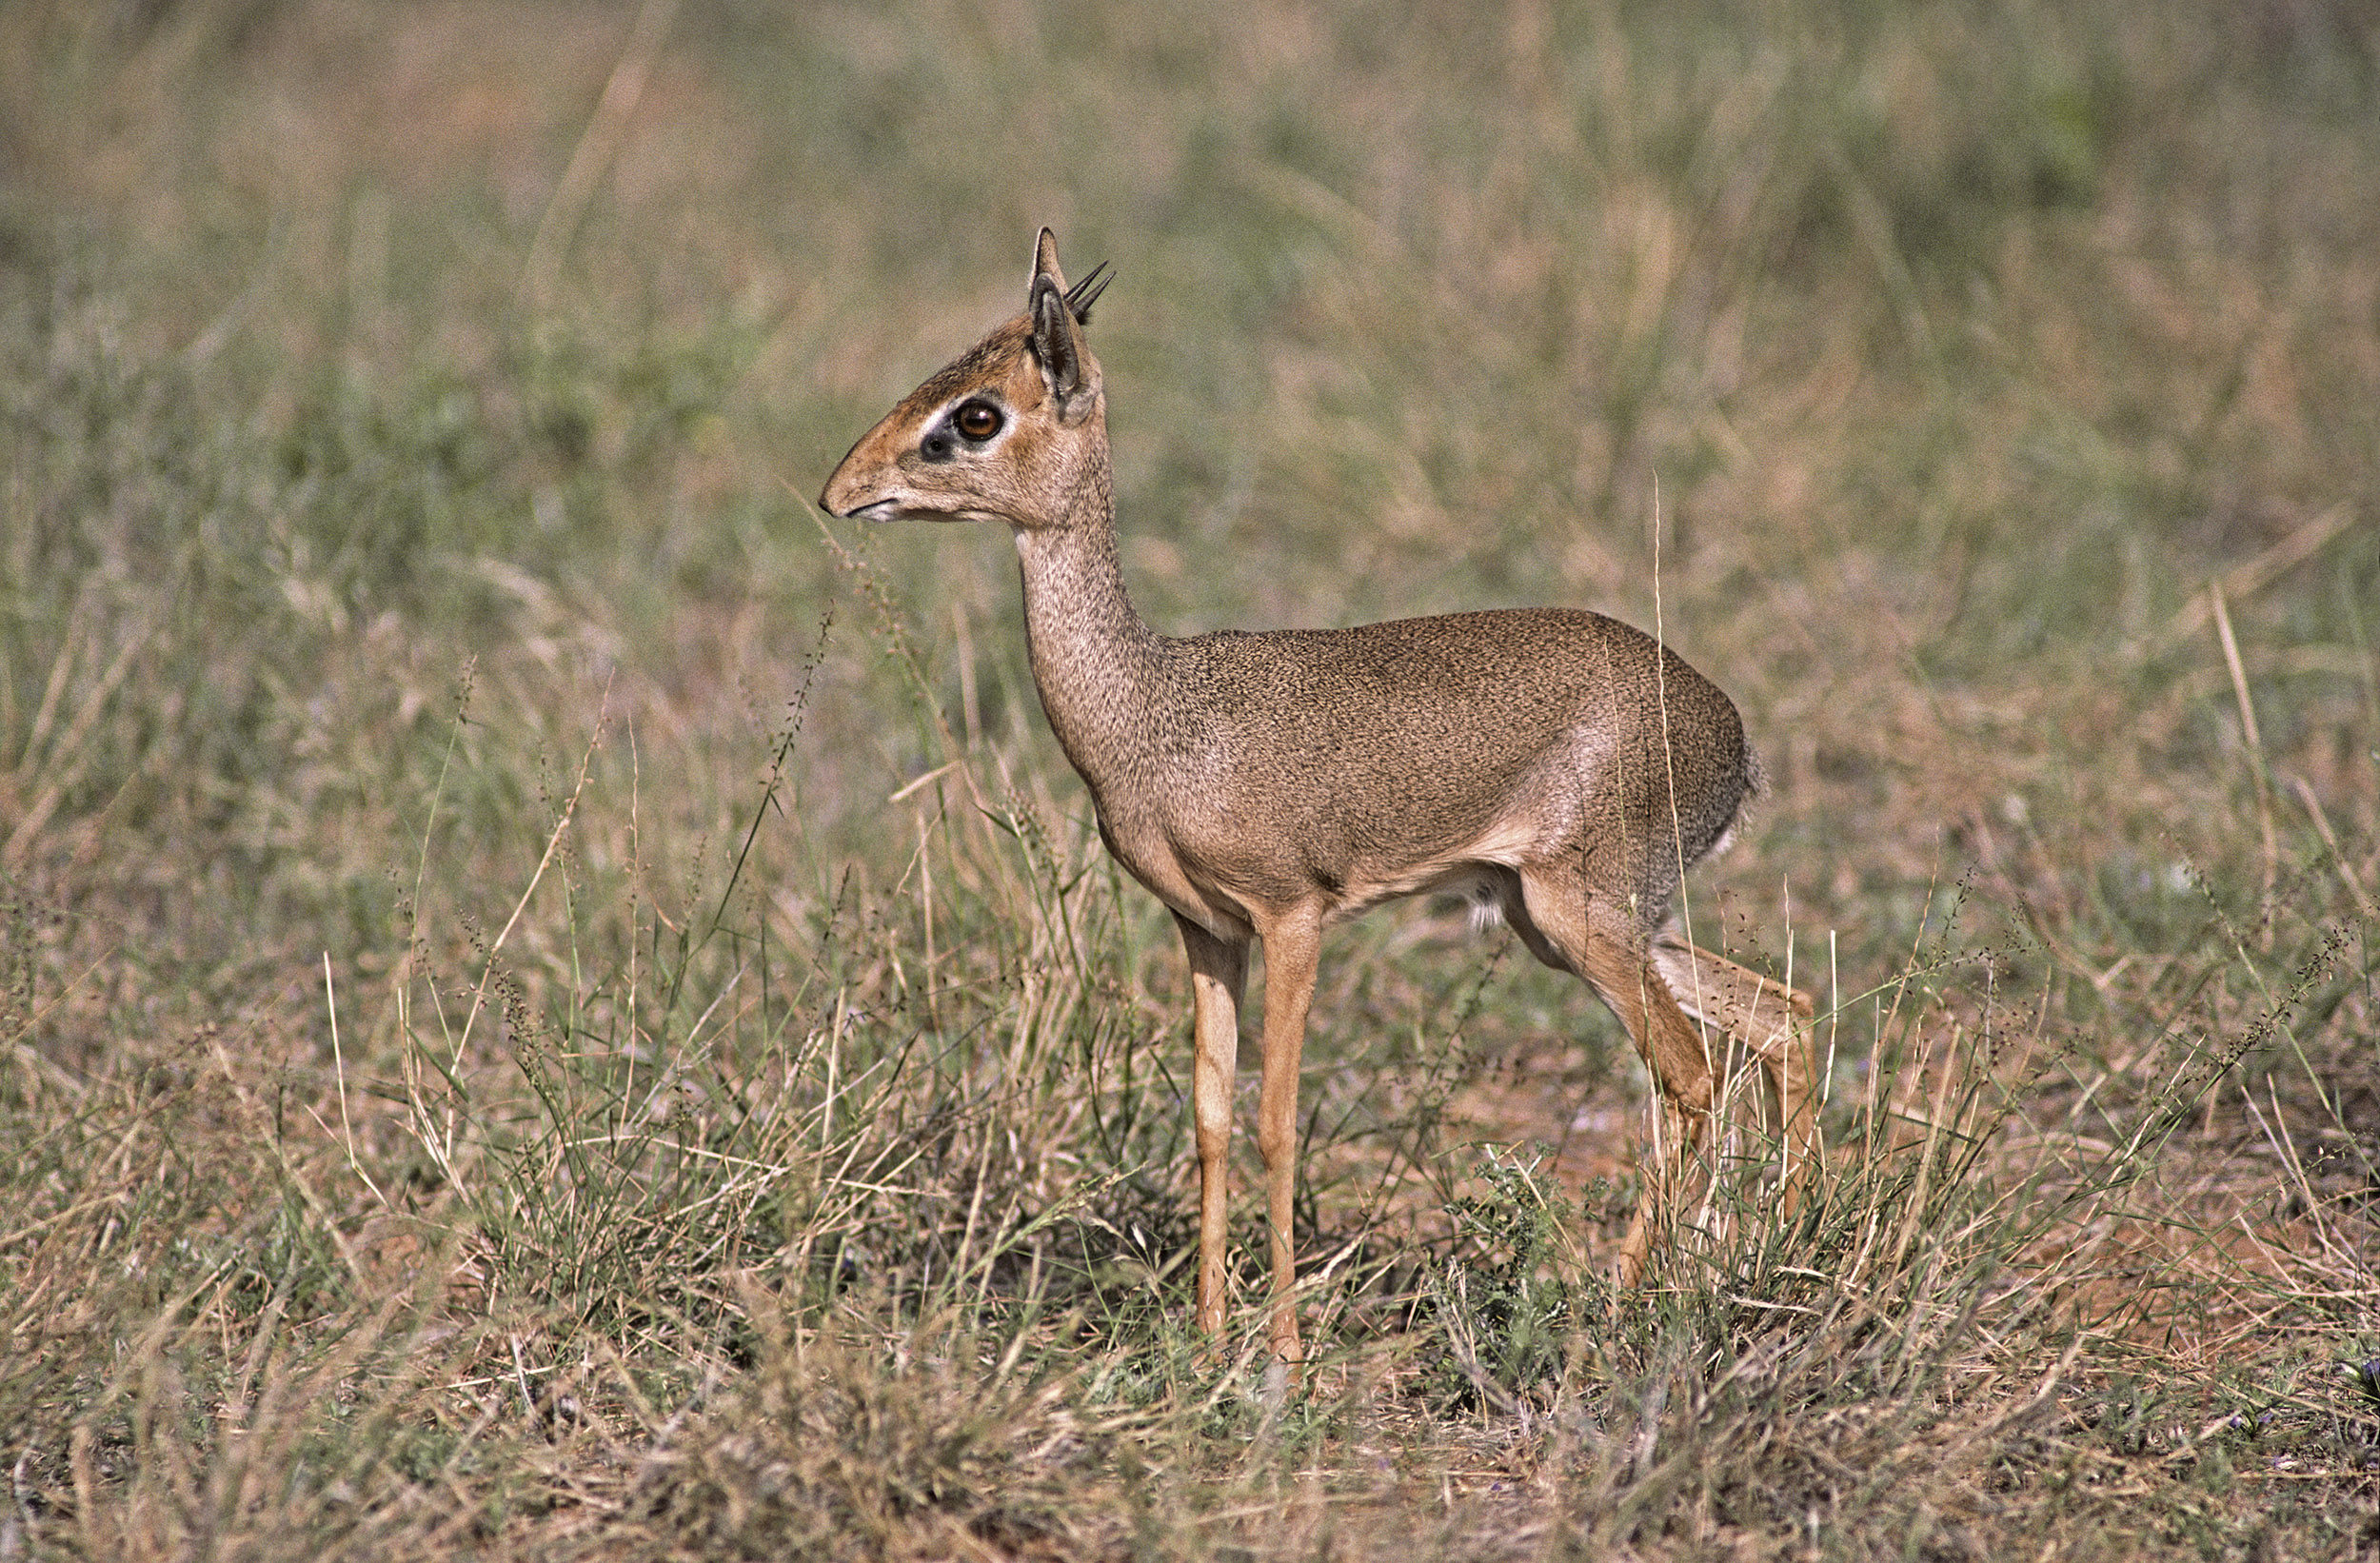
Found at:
[1557, 766]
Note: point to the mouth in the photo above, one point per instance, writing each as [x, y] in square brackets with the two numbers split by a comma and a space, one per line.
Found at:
[880, 510]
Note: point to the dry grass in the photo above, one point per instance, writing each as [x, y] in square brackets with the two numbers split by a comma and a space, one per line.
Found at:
[552, 1009]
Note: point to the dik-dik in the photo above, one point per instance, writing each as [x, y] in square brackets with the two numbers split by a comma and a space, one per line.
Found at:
[1556, 765]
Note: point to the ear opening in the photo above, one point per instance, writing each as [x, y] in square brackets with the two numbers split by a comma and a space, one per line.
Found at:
[1057, 342]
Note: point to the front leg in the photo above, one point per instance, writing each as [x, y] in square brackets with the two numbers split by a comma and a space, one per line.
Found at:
[1292, 945]
[1219, 978]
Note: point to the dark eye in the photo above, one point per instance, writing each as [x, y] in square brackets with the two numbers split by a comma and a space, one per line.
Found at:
[977, 420]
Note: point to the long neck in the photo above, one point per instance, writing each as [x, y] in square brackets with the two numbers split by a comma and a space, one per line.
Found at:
[1097, 665]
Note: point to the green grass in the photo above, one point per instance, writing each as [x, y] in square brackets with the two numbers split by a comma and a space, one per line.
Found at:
[555, 1003]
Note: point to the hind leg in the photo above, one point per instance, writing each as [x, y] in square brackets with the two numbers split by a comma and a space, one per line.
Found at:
[1601, 944]
[1769, 1019]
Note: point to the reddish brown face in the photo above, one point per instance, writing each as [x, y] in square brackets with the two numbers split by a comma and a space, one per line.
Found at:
[978, 441]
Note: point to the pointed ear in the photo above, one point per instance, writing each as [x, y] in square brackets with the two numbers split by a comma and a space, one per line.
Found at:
[1045, 260]
[1074, 378]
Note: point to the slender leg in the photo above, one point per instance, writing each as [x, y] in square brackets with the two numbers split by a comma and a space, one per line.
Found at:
[1605, 949]
[1219, 976]
[1768, 1018]
[1292, 944]
[1675, 1049]
[1791, 1061]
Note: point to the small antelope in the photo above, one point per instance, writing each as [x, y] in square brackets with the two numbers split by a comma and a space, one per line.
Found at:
[1556, 765]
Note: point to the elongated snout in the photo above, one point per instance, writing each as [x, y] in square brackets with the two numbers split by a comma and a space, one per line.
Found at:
[856, 490]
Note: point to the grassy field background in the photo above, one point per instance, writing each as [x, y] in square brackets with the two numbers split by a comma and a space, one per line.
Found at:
[558, 1004]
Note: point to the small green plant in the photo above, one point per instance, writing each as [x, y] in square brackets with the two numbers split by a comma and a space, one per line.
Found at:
[1504, 1303]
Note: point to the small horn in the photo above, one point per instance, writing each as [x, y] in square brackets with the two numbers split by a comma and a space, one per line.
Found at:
[1085, 293]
